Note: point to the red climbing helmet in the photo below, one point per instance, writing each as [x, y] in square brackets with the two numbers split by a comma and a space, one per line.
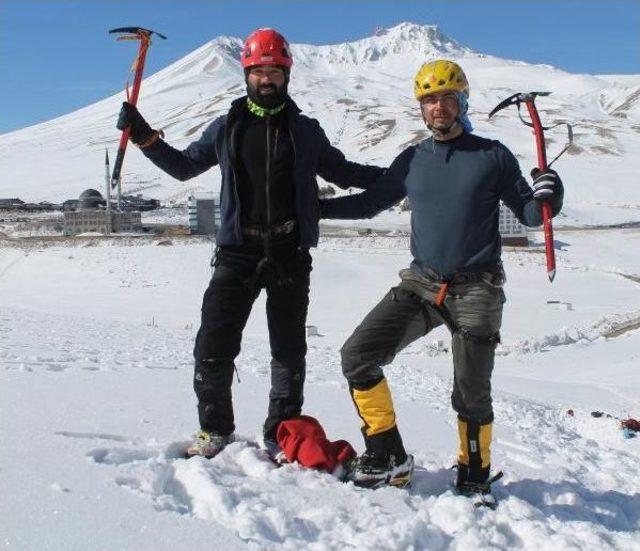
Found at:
[266, 47]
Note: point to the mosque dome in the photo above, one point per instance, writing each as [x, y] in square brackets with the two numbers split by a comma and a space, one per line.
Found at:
[90, 199]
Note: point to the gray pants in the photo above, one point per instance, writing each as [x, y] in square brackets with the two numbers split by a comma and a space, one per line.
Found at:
[407, 312]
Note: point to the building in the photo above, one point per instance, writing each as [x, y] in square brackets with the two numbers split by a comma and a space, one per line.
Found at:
[204, 213]
[91, 216]
[70, 204]
[513, 233]
[12, 204]
[137, 202]
[19, 204]
[101, 221]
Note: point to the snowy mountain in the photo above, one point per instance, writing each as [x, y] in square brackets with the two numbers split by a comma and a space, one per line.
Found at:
[362, 94]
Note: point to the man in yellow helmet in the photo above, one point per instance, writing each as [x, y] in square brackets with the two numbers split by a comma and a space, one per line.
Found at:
[455, 181]
[446, 81]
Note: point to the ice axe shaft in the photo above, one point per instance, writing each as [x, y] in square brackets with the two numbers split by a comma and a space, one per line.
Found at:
[546, 207]
[133, 99]
[144, 36]
[528, 98]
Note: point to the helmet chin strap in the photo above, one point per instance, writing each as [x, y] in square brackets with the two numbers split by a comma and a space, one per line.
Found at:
[442, 133]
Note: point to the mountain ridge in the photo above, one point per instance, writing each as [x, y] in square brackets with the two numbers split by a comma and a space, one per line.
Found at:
[361, 92]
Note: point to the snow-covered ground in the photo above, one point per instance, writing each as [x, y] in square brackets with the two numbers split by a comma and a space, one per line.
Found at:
[96, 406]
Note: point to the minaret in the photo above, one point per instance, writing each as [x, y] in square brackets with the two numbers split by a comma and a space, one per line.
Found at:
[107, 179]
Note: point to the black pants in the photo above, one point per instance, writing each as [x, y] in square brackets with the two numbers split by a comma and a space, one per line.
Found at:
[240, 273]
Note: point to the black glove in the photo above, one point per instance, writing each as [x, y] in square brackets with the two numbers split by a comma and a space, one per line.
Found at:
[546, 185]
[130, 116]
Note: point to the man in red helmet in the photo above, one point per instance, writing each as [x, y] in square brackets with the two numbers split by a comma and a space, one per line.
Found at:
[269, 155]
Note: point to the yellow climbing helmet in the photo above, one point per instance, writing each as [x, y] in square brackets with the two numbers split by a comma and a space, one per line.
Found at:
[439, 75]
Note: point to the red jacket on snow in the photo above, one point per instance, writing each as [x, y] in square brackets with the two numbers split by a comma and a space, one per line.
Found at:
[303, 439]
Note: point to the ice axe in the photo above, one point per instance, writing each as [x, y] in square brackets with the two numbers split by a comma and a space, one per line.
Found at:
[144, 36]
[528, 98]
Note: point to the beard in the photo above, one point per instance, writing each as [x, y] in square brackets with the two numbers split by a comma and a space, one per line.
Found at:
[445, 123]
[268, 96]
[442, 129]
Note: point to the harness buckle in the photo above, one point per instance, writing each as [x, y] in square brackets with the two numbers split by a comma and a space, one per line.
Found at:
[442, 292]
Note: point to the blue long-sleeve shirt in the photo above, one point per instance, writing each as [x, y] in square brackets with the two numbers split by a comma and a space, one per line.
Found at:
[454, 189]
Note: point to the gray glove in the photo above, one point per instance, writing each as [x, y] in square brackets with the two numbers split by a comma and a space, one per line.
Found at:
[546, 184]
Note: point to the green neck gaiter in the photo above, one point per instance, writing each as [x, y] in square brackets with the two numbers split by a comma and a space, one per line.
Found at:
[263, 111]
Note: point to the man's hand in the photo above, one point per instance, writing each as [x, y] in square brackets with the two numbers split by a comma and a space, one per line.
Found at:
[130, 116]
[546, 184]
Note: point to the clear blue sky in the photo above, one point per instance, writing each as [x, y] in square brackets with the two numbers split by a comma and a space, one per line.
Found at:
[56, 56]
